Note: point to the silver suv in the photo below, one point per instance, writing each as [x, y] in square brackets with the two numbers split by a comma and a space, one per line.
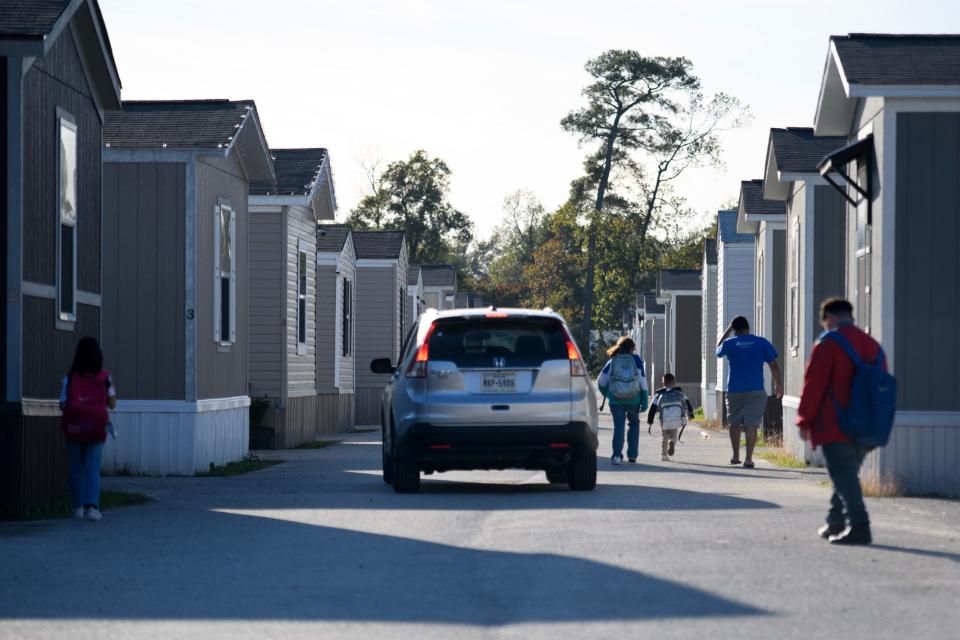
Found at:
[488, 389]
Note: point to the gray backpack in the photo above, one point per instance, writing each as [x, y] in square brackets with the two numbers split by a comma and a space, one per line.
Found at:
[624, 377]
[672, 407]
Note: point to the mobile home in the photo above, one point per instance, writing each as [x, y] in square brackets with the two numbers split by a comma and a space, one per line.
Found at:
[735, 279]
[679, 291]
[708, 319]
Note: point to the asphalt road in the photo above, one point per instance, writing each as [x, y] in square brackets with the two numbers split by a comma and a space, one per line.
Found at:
[320, 547]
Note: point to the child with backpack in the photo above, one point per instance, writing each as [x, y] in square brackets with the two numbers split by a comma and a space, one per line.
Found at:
[674, 409]
[623, 383]
[86, 394]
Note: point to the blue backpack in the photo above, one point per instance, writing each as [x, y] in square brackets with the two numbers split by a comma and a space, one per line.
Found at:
[868, 419]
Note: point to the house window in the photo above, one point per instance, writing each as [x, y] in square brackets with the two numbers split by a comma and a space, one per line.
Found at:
[760, 294]
[795, 284]
[301, 298]
[862, 294]
[346, 317]
[225, 275]
[67, 212]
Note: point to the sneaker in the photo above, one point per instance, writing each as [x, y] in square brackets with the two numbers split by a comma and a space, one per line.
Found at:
[827, 531]
[665, 458]
[616, 460]
[853, 534]
[632, 460]
[670, 448]
[92, 513]
[78, 513]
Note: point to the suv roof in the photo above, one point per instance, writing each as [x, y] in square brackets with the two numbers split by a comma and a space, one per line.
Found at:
[433, 314]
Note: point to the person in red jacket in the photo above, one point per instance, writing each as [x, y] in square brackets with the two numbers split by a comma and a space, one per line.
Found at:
[828, 379]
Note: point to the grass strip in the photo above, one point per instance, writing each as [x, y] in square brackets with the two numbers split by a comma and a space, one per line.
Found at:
[247, 464]
[109, 499]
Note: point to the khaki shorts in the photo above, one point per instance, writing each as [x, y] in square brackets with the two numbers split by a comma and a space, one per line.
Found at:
[746, 408]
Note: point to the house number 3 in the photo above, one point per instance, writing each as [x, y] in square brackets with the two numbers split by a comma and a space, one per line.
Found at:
[189, 314]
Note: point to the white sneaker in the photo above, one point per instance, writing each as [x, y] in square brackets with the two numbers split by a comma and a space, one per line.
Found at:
[92, 513]
[665, 458]
[78, 513]
[616, 460]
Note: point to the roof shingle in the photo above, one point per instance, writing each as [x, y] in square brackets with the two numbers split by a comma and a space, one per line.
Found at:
[710, 250]
[177, 124]
[650, 304]
[754, 204]
[296, 169]
[439, 275]
[678, 280]
[727, 229]
[887, 59]
[797, 150]
[413, 274]
[378, 244]
[332, 237]
[29, 18]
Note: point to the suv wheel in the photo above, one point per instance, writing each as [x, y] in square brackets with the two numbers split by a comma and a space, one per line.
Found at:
[582, 472]
[556, 475]
[406, 475]
[387, 463]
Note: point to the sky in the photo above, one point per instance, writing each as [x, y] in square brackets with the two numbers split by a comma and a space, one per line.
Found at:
[483, 85]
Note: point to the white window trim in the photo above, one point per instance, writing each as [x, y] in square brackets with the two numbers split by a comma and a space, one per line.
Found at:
[795, 286]
[302, 250]
[217, 275]
[66, 320]
[350, 326]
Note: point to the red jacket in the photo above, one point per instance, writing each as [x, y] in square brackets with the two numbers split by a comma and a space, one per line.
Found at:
[830, 369]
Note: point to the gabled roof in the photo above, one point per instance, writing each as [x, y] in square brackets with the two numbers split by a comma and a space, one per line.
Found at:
[332, 237]
[651, 306]
[35, 25]
[710, 250]
[439, 275]
[678, 280]
[727, 230]
[754, 208]
[861, 65]
[297, 171]
[218, 125]
[413, 274]
[792, 154]
[378, 245]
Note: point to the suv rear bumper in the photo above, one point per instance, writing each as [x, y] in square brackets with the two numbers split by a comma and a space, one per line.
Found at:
[496, 447]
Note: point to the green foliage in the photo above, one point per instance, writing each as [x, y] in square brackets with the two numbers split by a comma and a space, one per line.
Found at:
[109, 499]
[248, 463]
[412, 195]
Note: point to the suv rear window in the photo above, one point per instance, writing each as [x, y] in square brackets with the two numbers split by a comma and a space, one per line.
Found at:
[477, 342]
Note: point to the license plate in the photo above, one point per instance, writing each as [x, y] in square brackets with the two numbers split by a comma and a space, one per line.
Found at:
[499, 383]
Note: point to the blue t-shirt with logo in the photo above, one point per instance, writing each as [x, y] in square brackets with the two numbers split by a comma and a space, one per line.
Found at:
[746, 356]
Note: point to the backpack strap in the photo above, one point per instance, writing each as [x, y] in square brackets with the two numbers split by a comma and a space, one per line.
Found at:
[844, 344]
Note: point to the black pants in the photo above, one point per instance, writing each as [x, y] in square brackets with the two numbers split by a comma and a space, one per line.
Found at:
[843, 466]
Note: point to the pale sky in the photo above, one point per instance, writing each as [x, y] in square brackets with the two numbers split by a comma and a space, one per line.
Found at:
[484, 85]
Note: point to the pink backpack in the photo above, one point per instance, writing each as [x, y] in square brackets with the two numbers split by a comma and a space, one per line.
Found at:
[85, 412]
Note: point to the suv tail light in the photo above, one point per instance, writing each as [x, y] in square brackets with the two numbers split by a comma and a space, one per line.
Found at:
[418, 366]
[573, 354]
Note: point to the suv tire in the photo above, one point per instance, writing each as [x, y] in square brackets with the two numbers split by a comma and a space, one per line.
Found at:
[387, 463]
[556, 475]
[406, 475]
[582, 472]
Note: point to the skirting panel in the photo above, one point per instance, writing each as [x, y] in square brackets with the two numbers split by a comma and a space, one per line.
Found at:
[709, 404]
[368, 405]
[182, 443]
[334, 413]
[298, 423]
[925, 459]
[792, 442]
[33, 463]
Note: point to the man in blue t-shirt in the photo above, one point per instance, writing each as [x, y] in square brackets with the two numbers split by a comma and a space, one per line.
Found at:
[746, 397]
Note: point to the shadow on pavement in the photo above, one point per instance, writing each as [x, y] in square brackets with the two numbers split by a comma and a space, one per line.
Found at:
[927, 553]
[243, 567]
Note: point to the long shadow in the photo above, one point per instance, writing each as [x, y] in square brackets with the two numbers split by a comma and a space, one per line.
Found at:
[677, 466]
[241, 567]
[927, 553]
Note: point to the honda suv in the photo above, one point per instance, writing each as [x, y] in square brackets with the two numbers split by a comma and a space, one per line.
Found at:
[488, 389]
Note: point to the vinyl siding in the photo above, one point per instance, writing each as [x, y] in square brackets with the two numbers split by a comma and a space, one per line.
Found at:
[376, 307]
[795, 361]
[708, 319]
[220, 374]
[735, 283]
[330, 326]
[688, 349]
[301, 369]
[266, 303]
[778, 281]
[143, 278]
[47, 352]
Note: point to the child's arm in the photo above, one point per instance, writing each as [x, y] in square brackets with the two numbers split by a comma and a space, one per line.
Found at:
[689, 406]
[653, 410]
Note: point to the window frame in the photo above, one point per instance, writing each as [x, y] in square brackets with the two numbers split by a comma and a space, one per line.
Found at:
[795, 286]
[346, 318]
[863, 271]
[303, 280]
[66, 319]
[219, 274]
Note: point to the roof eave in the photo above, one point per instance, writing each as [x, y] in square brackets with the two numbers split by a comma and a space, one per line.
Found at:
[254, 156]
[835, 106]
[774, 187]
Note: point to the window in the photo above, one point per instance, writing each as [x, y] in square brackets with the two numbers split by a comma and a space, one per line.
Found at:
[795, 284]
[761, 328]
[301, 297]
[224, 275]
[346, 318]
[67, 210]
[862, 294]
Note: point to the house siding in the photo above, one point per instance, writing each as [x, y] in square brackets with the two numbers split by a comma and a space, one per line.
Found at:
[301, 369]
[735, 284]
[688, 346]
[48, 355]
[778, 281]
[266, 304]
[143, 277]
[829, 244]
[328, 326]
[220, 374]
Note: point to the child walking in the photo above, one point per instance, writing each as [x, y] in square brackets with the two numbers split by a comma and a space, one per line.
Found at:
[674, 409]
[85, 396]
[623, 382]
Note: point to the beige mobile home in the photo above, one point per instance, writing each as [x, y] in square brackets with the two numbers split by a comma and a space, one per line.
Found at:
[176, 178]
[282, 300]
[336, 322]
[815, 231]
[381, 305]
[439, 286]
[415, 304]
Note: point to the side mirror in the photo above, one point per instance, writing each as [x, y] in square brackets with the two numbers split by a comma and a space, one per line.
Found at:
[382, 365]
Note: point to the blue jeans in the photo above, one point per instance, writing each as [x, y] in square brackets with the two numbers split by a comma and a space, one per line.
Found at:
[843, 465]
[622, 414]
[84, 475]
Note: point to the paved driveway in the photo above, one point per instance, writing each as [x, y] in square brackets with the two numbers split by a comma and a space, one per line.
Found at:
[319, 547]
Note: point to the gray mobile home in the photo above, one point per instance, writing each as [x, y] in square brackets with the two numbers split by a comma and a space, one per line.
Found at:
[439, 286]
[815, 231]
[175, 279]
[766, 220]
[708, 320]
[282, 297]
[653, 349]
[415, 304]
[679, 292]
[464, 300]
[336, 319]
[381, 306]
[896, 98]
[735, 279]
[58, 75]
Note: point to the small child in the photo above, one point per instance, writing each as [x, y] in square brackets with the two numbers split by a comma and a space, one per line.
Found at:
[674, 409]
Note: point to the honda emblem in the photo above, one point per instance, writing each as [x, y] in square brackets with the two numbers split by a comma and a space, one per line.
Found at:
[499, 363]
